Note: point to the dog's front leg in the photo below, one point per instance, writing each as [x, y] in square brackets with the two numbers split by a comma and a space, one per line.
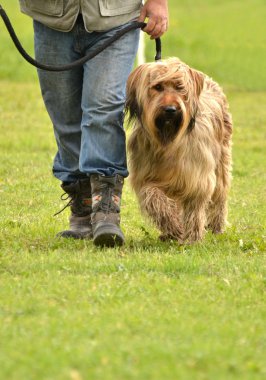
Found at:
[164, 212]
[194, 220]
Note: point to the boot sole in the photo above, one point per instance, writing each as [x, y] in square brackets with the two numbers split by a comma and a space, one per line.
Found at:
[68, 234]
[108, 236]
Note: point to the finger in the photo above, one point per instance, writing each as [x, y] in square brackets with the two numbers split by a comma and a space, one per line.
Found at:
[160, 31]
[159, 28]
[151, 24]
[156, 31]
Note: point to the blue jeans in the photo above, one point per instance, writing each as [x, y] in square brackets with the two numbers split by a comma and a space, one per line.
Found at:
[86, 104]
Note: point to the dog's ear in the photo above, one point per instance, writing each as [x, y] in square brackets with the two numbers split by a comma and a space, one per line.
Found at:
[133, 85]
[198, 80]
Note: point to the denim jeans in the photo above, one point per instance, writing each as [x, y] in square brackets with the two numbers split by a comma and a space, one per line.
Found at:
[86, 104]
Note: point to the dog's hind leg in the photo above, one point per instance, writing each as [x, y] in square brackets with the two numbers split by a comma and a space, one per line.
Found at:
[217, 213]
[164, 212]
[217, 209]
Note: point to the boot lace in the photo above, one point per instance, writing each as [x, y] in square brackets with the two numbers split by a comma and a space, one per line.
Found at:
[64, 197]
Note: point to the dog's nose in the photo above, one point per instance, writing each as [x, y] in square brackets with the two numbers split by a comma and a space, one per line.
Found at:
[170, 109]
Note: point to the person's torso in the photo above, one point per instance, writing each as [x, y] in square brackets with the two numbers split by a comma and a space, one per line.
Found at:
[98, 15]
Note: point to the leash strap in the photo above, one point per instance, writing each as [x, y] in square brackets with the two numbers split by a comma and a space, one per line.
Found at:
[132, 26]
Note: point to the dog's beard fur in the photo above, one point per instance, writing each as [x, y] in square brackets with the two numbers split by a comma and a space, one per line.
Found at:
[168, 125]
[180, 148]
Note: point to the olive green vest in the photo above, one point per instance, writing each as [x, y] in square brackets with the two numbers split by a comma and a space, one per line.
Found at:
[98, 15]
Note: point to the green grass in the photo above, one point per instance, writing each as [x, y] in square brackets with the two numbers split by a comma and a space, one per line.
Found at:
[149, 310]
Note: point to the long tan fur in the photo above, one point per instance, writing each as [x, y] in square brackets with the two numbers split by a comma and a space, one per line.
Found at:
[180, 148]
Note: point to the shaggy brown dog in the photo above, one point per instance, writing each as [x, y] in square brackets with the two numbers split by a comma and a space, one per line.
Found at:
[180, 148]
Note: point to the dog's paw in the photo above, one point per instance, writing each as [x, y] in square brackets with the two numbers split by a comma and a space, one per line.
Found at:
[167, 237]
[216, 230]
[164, 237]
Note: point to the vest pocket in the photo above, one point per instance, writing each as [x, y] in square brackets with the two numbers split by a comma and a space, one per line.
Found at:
[118, 7]
[46, 7]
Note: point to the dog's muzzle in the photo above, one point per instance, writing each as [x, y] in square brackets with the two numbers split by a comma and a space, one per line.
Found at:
[168, 122]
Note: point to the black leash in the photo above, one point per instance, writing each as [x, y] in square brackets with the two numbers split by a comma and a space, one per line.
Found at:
[81, 61]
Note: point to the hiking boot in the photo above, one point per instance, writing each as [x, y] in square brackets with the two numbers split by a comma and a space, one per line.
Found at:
[106, 195]
[80, 203]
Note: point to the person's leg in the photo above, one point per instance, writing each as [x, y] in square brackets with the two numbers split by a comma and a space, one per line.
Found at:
[103, 151]
[62, 93]
[103, 137]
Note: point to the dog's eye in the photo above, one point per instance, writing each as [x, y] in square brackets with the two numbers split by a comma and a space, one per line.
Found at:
[158, 87]
[178, 86]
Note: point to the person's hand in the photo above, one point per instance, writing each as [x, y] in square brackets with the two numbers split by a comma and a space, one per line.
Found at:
[156, 11]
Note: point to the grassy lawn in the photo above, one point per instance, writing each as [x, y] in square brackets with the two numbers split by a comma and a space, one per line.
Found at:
[149, 310]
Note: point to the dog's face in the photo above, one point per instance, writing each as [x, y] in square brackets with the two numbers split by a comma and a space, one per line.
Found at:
[163, 97]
